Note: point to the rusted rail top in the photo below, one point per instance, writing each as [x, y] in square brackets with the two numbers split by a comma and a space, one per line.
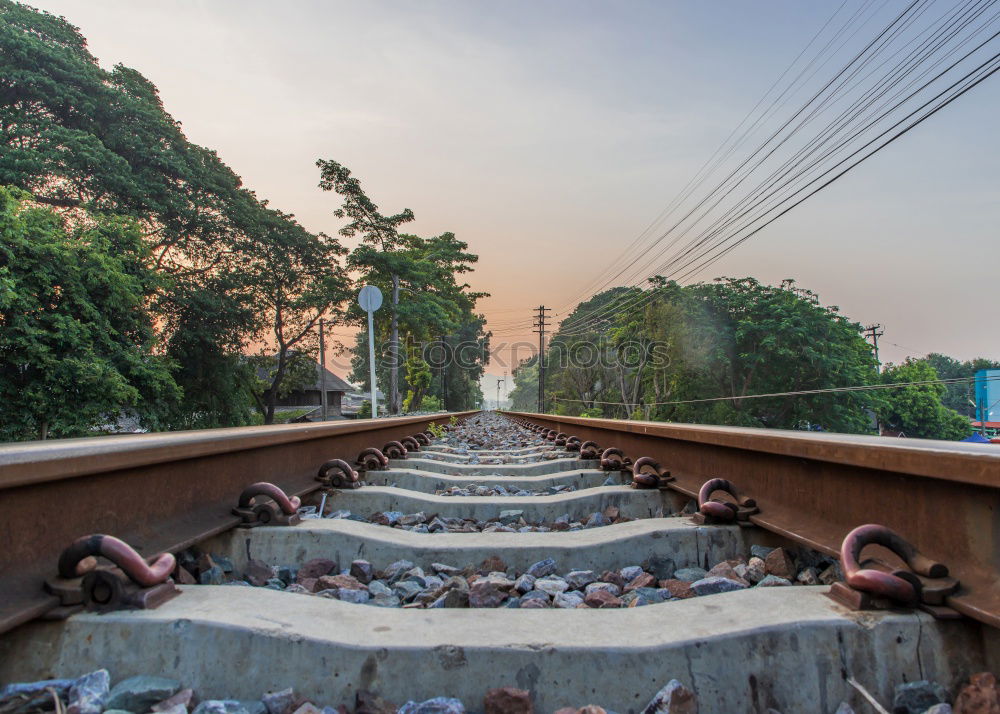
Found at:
[814, 488]
[158, 492]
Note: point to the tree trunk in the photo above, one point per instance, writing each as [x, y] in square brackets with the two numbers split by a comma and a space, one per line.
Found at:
[271, 393]
[43, 431]
[393, 396]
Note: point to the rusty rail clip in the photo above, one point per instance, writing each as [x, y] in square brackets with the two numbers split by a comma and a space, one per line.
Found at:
[423, 438]
[589, 450]
[648, 473]
[132, 582]
[337, 473]
[279, 511]
[715, 511]
[372, 460]
[873, 584]
[394, 450]
[573, 443]
[614, 459]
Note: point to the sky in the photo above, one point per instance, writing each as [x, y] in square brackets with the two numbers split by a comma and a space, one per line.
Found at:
[549, 134]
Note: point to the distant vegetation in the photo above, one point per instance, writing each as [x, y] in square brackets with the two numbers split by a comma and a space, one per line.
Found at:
[136, 271]
[668, 353]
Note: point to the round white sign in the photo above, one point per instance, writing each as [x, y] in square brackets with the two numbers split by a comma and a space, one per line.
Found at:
[370, 298]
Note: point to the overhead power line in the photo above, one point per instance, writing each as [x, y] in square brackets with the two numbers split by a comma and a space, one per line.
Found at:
[621, 304]
[869, 123]
[801, 392]
[721, 154]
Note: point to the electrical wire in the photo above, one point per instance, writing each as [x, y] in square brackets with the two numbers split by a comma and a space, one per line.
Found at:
[787, 122]
[801, 392]
[720, 156]
[896, 53]
[589, 321]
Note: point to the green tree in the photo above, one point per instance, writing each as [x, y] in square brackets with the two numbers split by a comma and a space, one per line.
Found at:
[524, 396]
[781, 339]
[208, 321]
[628, 353]
[77, 346]
[380, 239]
[435, 306]
[296, 280]
[298, 369]
[960, 396]
[88, 140]
[418, 377]
[580, 365]
[76, 135]
[458, 381]
[917, 411]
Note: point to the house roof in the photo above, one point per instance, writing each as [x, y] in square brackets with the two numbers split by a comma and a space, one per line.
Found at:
[333, 382]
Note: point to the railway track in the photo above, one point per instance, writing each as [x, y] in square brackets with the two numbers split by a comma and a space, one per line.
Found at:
[625, 565]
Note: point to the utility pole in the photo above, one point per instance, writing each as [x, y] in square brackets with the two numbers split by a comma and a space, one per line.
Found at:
[322, 369]
[444, 372]
[499, 382]
[394, 401]
[874, 332]
[540, 324]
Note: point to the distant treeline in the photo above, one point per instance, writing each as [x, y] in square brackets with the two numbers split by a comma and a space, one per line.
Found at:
[670, 352]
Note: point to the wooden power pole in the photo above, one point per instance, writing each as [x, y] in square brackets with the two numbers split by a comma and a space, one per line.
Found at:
[874, 332]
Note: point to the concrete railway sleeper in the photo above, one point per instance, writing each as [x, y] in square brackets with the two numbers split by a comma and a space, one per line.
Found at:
[468, 572]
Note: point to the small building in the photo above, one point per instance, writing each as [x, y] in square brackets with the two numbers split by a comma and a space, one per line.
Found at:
[354, 399]
[990, 428]
[987, 396]
[311, 395]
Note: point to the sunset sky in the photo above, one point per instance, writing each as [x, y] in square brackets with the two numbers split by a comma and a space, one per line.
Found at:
[548, 135]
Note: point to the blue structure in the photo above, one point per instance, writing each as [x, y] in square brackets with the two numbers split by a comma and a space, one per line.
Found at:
[988, 395]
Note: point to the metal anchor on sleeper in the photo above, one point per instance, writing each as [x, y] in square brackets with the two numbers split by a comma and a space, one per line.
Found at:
[337, 473]
[131, 582]
[394, 450]
[614, 459]
[874, 584]
[648, 473]
[278, 510]
[372, 459]
[718, 511]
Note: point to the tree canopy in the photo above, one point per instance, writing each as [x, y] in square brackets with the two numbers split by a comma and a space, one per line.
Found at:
[227, 291]
[917, 411]
[76, 342]
[432, 307]
[700, 353]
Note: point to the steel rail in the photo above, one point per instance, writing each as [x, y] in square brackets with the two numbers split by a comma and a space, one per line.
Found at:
[158, 492]
[814, 488]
